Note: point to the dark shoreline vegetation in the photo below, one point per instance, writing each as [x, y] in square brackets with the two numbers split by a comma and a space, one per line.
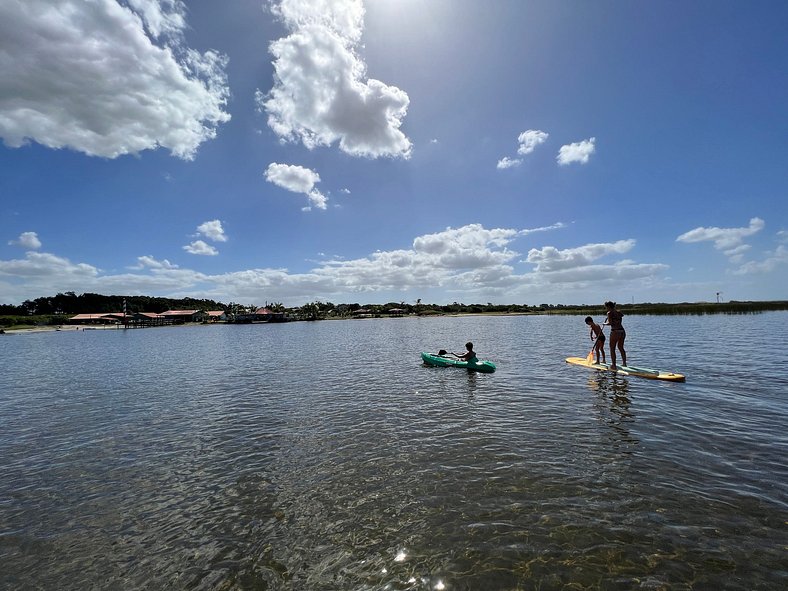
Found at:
[57, 310]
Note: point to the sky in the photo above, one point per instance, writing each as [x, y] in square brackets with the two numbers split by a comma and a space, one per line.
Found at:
[350, 151]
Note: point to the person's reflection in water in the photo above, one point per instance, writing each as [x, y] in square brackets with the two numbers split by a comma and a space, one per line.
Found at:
[609, 385]
[613, 405]
[472, 383]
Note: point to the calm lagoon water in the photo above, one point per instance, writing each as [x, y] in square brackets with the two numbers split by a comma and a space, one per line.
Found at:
[325, 456]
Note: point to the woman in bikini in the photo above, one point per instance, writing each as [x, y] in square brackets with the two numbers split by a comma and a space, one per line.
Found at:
[617, 333]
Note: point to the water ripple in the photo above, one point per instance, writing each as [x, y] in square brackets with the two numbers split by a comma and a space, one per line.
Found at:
[325, 456]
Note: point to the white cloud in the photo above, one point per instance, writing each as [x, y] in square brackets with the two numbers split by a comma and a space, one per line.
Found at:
[212, 230]
[149, 262]
[736, 255]
[43, 264]
[28, 240]
[530, 139]
[321, 94]
[87, 76]
[576, 152]
[507, 162]
[725, 239]
[200, 247]
[161, 17]
[470, 246]
[549, 258]
[769, 264]
[298, 180]
[527, 143]
[555, 226]
[471, 261]
[618, 273]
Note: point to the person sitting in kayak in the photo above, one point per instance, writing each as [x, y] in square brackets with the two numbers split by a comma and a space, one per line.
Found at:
[469, 355]
[617, 333]
[598, 337]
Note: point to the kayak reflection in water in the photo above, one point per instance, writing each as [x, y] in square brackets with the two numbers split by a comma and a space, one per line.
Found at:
[469, 355]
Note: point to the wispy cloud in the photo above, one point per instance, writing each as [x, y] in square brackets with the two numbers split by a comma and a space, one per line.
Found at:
[555, 226]
[321, 93]
[728, 240]
[577, 152]
[549, 258]
[298, 180]
[773, 259]
[148, 262]
[46, 265]
[107, 78]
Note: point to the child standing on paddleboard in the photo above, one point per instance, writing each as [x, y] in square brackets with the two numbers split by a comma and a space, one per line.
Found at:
[598, 337]
[617, 333]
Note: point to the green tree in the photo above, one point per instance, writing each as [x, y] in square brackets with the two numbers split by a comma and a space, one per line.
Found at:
[310, 311]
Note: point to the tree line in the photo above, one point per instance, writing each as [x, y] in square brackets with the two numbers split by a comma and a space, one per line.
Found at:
[70, 304]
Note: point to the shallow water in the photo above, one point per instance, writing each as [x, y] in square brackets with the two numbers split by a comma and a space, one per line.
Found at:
[325, 456]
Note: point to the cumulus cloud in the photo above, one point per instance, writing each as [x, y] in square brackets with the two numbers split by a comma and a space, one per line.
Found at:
[549, 258]
[321, 94]
[724, 239]
[28, 240]
[527, 143]
[507, 162]
[530, 139]
[106, 78]
[212, 230]
[468, 246]
[298, 180]
[161, 17]
[472, 261]
[201, 247]
[576, 152]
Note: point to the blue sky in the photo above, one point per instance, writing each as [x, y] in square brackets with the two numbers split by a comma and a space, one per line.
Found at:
[508, 151]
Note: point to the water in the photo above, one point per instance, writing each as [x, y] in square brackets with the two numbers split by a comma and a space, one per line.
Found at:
[325, 456]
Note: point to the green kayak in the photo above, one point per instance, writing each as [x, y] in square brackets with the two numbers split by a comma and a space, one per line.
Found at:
[441, 361]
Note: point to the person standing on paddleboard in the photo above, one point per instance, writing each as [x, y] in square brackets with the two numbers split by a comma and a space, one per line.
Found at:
[598, 337]
[617, 333]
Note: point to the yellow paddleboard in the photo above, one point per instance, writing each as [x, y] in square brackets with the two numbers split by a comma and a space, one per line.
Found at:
[623, 370]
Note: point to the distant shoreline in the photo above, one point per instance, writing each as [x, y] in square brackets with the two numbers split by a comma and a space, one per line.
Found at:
[684, 309]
